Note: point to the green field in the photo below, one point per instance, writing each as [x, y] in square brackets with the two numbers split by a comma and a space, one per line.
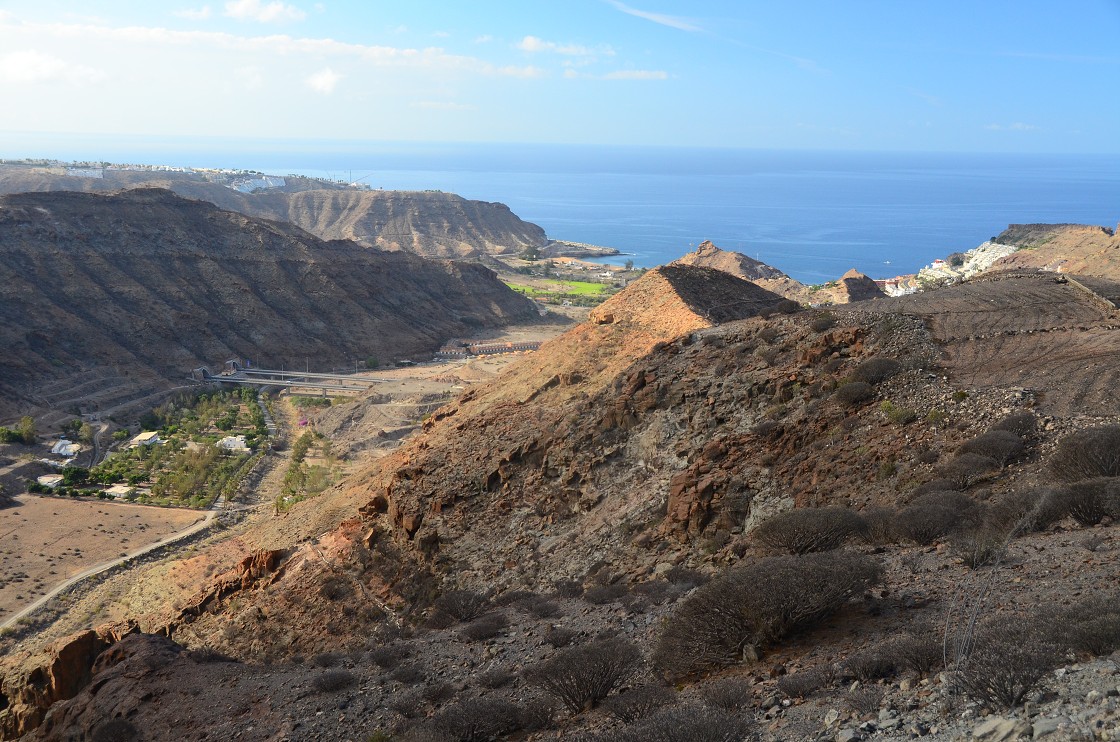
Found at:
[557, 287]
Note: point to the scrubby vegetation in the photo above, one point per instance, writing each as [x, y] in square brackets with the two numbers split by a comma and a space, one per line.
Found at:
[738, 614]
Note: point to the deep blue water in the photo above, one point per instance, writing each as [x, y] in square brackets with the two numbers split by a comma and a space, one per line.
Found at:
[811, 214]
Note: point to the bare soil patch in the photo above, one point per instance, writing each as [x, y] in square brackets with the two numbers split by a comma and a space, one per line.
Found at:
[45, 540]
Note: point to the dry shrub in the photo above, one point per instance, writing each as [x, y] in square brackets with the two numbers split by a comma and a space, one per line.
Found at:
[1000, 445]
[787, 306]
[558, 636]
[463, 605]
[603, 594]
[685, 724]
[953, 500]
[388, 658]
[878, 525]
[569, 589]
[1009, 658]
[805, 683]
[407, 704]
[749, 606]
[1093, 625]
[637, 703]
[336, 587]
[854, 393]
[327, 659]
[439, 693]
[685, 578]
[1027, 511]
[484, 627]
[475, 720]
[865, 699]
[540, 606]
[1022, 424]
[965, 469]
[869, 664]
[580, 677]
[1090, 501]
[924, 524]
[875, 370]
[498, 677]
[729, 694]
[333, 681]
[806, 530]
[821, 323]
[980, 545]
[1088, 454]
[933, 485]
[921, 653]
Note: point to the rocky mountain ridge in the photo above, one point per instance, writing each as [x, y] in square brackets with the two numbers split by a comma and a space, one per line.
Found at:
[159, 284]
[852, 286]
[428, 223]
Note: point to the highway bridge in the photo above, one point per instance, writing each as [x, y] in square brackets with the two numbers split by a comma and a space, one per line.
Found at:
[262, 377]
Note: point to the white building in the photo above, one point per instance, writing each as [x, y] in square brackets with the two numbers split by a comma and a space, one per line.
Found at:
[147, 438]
[233, 444]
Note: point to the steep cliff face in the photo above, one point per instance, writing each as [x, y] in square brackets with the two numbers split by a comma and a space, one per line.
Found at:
[429, 223]
[160, 283]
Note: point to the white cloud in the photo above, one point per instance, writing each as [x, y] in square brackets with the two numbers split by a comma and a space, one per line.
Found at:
[672, 21]
[1017, 126]
[484, 39]
[26, 67]
[637, 75]
[323, 81]
[255, 10]
[441, 34]
[194, 14]
[535, 44]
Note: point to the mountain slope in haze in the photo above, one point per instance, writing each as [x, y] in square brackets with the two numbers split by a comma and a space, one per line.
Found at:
[429, 223]
[159, 283]
[853, 286]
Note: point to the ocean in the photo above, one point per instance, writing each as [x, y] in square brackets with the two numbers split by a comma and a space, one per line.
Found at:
[813, 215]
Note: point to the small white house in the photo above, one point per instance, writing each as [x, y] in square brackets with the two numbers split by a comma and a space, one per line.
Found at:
[147, 438]
[66, 449]
[49, 480]
[233, 444]
[120, 491]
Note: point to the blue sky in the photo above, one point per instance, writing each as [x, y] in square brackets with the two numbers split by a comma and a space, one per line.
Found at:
[994, 75]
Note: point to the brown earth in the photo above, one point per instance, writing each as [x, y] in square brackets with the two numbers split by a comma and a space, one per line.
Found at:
[45, 540]
[429, 223]
[657, 435]
[1067, 248]
[104, 299]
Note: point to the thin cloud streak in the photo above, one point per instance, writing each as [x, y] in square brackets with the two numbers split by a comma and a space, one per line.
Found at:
[672, 21]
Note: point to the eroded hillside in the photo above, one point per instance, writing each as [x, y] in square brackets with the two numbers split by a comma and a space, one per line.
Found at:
[592, 488]
[146, 286]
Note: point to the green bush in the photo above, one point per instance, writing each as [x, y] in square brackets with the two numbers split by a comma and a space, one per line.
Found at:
[898, 415]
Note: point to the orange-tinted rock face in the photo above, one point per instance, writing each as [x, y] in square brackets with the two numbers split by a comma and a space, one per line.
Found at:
[60, 675]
